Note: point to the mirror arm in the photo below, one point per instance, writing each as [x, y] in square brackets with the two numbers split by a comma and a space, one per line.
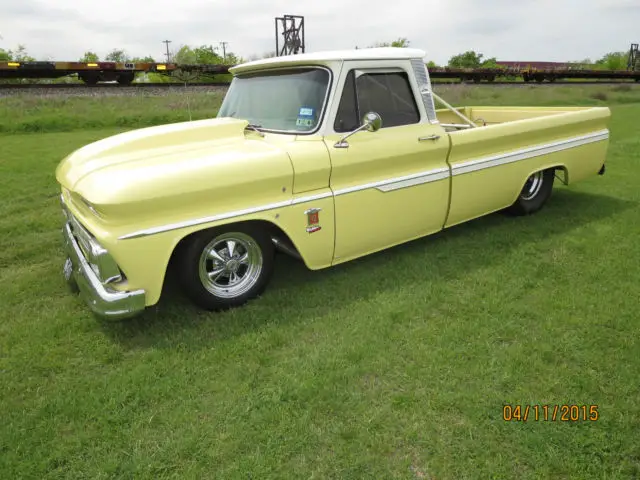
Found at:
[342, 143]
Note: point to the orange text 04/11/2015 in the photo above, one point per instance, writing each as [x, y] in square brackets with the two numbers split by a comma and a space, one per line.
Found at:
[550, 413]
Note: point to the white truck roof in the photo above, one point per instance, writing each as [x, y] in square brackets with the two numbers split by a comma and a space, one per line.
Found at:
[382, 53]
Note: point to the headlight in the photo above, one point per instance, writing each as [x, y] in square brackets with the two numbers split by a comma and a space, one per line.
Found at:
[89, 205]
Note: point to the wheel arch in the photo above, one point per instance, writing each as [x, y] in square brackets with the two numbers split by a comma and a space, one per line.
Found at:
[274, 231]
[148, 258]
[554, 166]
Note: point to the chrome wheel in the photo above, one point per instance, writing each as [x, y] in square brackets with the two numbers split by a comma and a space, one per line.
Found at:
[230, 264]
[532, 186]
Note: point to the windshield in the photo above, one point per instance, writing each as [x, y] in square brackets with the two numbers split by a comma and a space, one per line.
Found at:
[286, 100]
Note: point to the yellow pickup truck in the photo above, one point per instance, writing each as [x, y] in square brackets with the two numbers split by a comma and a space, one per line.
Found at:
[324, 156]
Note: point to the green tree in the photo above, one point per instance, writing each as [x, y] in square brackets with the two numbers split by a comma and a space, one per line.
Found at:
[431, 64]
[147, 59]
[471, 59]
[585, 63]
[468, 59]
[5, 56]
[89, 56]
[184, 56]
[204, 55]
[398, 43]
[207, 55]
[613, 61]
[232, 59]
[117, 55]
[490, 63]
[20, 54]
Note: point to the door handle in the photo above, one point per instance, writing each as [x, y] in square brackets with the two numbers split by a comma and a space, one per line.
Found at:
[430, 137]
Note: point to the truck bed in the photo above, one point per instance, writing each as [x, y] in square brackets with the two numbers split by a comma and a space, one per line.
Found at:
[518, 141]
[497, 115]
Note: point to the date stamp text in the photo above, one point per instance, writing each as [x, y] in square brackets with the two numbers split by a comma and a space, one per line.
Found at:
[550, 413]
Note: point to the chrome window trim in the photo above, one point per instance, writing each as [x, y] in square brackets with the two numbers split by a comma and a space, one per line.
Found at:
[396, 183]
[322, 116]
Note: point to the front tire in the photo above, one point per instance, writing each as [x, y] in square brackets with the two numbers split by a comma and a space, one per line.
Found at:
[226, 267]
[535, 193]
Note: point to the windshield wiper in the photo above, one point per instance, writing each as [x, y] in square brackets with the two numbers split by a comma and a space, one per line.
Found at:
[255, 128]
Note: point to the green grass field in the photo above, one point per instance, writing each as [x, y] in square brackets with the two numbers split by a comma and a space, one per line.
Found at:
[397, 365]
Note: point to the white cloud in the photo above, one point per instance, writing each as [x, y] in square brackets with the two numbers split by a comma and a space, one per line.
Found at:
[557, 30]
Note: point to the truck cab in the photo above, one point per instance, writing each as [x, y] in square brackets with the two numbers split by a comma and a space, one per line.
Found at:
[327, 101]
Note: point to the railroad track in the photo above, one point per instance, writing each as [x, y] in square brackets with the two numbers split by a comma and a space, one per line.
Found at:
[63, 86]
[114, 89]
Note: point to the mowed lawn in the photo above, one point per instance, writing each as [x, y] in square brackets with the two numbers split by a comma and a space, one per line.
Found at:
[397, 365]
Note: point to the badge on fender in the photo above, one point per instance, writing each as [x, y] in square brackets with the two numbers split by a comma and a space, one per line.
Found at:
[313, 219]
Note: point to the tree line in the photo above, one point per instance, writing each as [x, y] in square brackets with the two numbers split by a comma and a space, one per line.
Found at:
[201, 55]
[210, 55]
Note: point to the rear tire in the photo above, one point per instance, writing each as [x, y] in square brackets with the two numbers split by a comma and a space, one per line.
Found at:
[225, 267]
[535, 193]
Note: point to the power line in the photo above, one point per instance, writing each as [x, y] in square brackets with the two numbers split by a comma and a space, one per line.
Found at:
[167, 42]
[224, 50]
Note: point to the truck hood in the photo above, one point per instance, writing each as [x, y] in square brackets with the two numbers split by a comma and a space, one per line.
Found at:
[164, 166]
[146, 144]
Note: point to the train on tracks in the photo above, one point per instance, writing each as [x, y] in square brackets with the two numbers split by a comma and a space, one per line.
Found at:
[534, 72]
[124, 73]
[92, 73]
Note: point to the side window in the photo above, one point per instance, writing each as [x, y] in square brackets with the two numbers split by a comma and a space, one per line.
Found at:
[388, 94]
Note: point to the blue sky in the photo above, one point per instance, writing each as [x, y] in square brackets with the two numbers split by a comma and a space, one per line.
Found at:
[553, 30]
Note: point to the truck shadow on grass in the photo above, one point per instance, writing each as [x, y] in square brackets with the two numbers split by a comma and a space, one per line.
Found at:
[296, 293]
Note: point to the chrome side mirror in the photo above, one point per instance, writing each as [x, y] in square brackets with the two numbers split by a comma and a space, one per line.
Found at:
[371, 122]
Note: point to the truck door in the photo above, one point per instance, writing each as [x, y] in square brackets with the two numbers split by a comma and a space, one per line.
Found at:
[392, 185]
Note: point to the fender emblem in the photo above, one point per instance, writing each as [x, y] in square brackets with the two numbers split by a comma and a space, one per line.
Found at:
[313, 219]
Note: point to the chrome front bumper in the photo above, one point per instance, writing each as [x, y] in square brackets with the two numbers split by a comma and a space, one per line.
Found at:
[103, 301]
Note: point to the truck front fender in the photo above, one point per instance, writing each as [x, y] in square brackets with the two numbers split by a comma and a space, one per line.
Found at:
[307, 221]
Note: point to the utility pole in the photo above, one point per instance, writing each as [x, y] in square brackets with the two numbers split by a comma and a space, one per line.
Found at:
[224, 50]
[167, 54]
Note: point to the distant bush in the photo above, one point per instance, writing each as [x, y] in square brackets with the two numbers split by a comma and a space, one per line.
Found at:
[600, 96]
[622, 88]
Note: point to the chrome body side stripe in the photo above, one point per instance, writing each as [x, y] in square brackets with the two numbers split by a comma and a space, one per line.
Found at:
[417, 179]
[198, 221]
[389, 184]
[396, 183]
[525, 153]
[310, 198]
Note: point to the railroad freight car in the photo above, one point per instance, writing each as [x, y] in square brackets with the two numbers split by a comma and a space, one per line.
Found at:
[93, 72]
